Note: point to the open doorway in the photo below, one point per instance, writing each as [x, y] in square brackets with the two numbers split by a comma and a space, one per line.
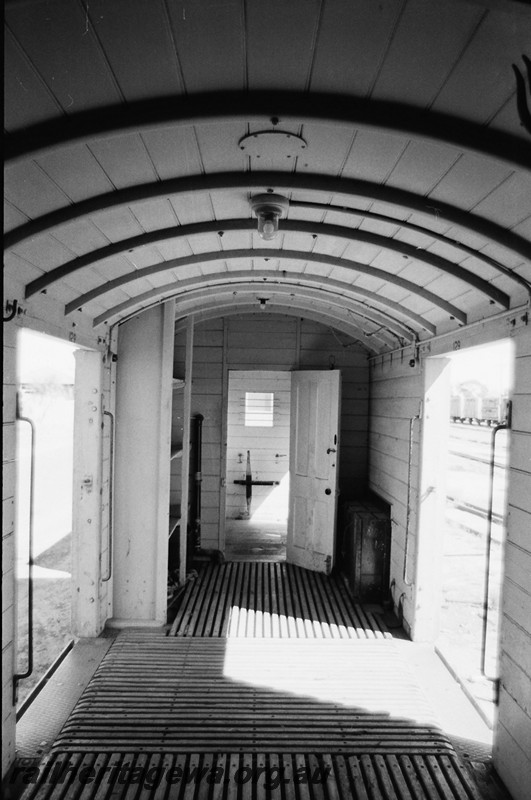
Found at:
[474, 525]
[45, 422]
[257, 475]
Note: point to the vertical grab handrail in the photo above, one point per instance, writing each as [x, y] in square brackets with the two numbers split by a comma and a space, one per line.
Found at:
[198, 478]
[21, 675]
[486, 590]
[111, 501]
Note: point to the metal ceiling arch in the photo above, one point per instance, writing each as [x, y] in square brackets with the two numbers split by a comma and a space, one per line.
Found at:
[237, 294]
[261, 181]
[255, 281]
[221, 226]
[444, 238]
[293, 255]
[338, 318]
[287, 107]
[204, 296]
[272, 278]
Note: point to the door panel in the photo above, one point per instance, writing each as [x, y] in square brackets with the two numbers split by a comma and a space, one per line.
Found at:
[315, 414]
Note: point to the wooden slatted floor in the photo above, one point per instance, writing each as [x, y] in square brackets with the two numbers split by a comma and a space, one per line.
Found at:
[260, 599]
[246, 695]
[247, 776]
[272, 686]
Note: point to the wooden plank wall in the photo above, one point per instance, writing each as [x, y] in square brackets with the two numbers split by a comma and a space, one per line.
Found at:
[268, 446]
[46, 316]
[396, 394]
[270, 343]
[8, 545]
[513, 734]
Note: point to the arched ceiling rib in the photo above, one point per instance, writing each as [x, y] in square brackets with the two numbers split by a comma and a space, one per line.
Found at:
[409, 210]
[292, 255]
[339, 317]
[262, 282]
[299, 226]
[291, 107]
[372, 323]
[257, 181]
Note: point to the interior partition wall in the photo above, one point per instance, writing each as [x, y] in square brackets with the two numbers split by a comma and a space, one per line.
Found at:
[142, 467]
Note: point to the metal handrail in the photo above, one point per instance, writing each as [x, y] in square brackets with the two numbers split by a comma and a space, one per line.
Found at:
[111, 501]
[405, 578]
[21, 675]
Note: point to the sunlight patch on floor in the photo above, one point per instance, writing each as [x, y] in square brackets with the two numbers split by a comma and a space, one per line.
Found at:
[369, 675]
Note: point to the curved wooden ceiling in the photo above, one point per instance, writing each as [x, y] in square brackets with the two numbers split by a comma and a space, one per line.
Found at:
[139, 130]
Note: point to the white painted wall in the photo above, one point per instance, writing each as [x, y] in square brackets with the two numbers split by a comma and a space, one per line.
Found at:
[512, 752]
[91, 595]
[396, 391]
[142, 459]
[269, 342]
[45, 316]
[431, 499]
[396, 398]
[87, 494]
[268, 447]
[8, 546]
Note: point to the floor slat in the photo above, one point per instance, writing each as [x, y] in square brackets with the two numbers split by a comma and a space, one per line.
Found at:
[259, 600]
[248, 776]
[272, 684]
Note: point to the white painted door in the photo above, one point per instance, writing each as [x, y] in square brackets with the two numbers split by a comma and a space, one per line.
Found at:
[314, 451]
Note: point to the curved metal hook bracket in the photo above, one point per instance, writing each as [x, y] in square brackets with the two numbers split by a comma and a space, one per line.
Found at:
[11, 310]
[522, 102]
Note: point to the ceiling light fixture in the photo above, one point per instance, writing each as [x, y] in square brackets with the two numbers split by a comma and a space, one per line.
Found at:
[269, 208]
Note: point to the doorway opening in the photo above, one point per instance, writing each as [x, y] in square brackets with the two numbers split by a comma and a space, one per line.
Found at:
[257, 473]
[45, 424]
[475, 519]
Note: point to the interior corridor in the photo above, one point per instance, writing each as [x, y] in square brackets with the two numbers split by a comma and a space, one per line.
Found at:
[270, 683]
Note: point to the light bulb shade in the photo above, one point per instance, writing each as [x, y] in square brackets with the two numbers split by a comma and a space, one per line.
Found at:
[267, 226]
[269, 208]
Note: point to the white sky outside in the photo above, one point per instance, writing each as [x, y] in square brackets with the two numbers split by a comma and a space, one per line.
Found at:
[491, 364]
[43, 359]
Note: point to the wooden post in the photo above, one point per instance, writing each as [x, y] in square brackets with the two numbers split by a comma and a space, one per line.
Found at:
[86, 544]
[431, 500]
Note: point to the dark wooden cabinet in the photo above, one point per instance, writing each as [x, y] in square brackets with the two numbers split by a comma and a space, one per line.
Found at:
[365, 549]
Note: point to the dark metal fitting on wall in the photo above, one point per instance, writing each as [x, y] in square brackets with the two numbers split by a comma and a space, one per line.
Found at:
[12, 309]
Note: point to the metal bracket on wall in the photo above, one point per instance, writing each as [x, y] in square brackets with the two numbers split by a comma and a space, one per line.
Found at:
[12, 308]
[517, 321]
[522, 102]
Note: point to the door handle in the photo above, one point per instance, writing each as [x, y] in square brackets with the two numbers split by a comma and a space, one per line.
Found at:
[331, 450]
